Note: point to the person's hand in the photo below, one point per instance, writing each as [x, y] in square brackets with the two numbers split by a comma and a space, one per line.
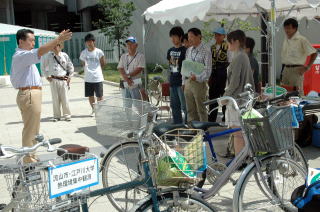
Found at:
[65, 35]
[182, 87]
[130, 82]
[303, 69]
[193, 77]
[68, 81]
[49, 79]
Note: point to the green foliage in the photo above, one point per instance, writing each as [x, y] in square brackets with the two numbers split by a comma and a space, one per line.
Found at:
[116, 20]
[207, 30]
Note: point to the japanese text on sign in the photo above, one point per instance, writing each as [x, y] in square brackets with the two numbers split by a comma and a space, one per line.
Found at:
[67, 178]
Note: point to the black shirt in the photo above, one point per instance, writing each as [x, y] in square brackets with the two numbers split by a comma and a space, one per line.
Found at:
[175, 57]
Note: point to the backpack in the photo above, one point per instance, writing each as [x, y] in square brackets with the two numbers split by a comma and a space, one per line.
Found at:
[307, 199]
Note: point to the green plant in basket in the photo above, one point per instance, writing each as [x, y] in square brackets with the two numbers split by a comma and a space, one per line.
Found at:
[175, 168]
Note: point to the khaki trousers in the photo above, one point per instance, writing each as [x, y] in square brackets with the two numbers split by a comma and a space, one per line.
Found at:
[59, 92]
[29, 103]
[195, 94]
[291, 76]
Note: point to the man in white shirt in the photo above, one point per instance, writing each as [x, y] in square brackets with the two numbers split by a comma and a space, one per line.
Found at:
[93, 61]
[294, 53]
[25, 77]
[58, 69]
[130, 66]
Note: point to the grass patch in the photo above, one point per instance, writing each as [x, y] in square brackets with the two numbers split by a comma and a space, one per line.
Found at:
[111, 73]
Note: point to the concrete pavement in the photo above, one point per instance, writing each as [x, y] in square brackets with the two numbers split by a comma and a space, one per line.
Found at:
[82, 130]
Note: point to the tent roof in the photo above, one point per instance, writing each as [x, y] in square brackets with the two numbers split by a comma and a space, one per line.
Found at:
[181, 10]
[12, 29]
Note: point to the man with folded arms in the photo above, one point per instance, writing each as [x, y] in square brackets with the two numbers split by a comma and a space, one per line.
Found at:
[294, 53]
[26, 78]
[130, 66]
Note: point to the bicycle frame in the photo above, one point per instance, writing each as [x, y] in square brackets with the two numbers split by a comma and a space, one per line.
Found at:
[208, 138]
[130, 185]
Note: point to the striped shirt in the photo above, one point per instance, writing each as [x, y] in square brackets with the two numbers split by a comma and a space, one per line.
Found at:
[201, 54]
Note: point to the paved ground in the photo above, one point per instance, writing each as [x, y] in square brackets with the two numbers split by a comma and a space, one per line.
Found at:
[82, 130]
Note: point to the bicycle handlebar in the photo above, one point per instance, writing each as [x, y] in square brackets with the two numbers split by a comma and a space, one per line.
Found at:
[283, 97]
[224, 98]
[26, 150]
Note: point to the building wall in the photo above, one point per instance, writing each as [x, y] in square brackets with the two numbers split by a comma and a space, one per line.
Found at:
[6, 12]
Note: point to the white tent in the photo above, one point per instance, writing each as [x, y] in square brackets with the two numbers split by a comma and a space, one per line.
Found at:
[12, 29]
[204, 10]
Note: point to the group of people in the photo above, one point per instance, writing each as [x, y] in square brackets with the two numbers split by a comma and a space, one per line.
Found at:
[228, 66]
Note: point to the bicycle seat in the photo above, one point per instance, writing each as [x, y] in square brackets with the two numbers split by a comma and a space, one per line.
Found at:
[71, 150]
[162, 128]
[204, 125]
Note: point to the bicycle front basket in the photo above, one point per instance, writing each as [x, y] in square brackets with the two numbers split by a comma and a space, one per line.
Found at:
[118, 117]
[272, 133]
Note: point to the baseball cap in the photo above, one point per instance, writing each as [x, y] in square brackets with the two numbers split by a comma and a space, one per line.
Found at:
[220, 30]
[131, 39]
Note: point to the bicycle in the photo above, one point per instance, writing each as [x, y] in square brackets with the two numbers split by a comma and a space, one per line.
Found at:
[30, 190]
[270, 167]
[28, 183]
[122, 118]
[222, 178]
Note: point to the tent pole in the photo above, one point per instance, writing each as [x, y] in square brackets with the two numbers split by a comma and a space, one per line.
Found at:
[144, 52]
[273, 75]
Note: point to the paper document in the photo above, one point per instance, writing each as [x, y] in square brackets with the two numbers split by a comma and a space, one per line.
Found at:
[190, 67]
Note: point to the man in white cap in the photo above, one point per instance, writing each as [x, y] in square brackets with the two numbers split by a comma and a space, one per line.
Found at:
[130, 66]
[218, 78]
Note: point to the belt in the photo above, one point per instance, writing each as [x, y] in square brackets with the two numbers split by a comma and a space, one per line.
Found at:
[292, 66]
[59, 78]
[30, 88]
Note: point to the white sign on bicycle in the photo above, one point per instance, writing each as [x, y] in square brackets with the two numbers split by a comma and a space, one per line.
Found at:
[70, 177]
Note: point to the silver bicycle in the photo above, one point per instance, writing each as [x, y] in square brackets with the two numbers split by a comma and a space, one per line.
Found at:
[268, 181]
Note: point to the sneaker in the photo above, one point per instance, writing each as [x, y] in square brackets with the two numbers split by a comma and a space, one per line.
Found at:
[55, 119]
[67, 119]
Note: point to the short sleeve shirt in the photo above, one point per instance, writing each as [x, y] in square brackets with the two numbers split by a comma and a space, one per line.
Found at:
[296, 50]
[92, 67]
[24, 72]
[130, 63]
[175, 56]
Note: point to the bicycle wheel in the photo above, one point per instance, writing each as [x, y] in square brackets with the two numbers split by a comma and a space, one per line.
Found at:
[121, 165]
[176, 201]
[282, 176]
[297, 155]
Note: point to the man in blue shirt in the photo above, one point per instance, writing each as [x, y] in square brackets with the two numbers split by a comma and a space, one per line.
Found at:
[26, 78]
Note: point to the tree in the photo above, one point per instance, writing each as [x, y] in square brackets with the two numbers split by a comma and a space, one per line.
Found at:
[116, 20]
[229, 26]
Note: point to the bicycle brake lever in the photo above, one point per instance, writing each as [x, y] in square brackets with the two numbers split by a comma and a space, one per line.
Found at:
[51, 148]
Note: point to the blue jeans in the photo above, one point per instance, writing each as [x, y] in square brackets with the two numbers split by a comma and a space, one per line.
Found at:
[177, 103]
[131, 93]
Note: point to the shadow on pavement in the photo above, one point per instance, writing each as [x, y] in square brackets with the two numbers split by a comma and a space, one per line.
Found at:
[81, 116]
[103, 140]
[311, 152]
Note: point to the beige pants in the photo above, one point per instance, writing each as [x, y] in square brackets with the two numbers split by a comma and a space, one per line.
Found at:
[292, 77]
[29, 103]
[59, 91]
[195, 94]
